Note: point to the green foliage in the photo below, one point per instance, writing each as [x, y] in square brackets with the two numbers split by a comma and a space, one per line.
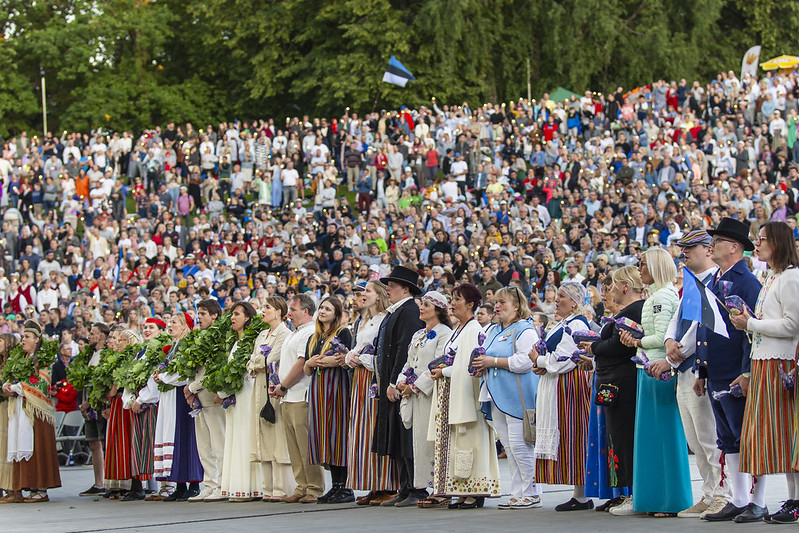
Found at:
[226, 374]
[201, 346]
[79, 373]
[133, 63]
[20, 367]
[133, 374]
[103, 376]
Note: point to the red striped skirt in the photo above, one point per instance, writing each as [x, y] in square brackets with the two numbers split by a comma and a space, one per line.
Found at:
[142, 442]
[328, 416]
[767, 434]
[365, 469]
[574, 397]
[117, 442]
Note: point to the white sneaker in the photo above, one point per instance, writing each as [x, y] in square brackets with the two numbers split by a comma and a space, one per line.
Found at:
[624, 509]
[528, 502]
[694, 511]
[216, 496]
[205, 493]
[508, 504]
[715, 507]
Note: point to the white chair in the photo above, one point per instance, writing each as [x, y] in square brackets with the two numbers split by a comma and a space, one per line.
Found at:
[71, 432]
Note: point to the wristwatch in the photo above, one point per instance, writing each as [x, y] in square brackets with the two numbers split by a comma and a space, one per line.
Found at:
[283, 389]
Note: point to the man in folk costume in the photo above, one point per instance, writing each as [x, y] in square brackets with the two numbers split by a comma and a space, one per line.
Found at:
[209, 424]
[94, 425]
[144, 406]
[725, 362]
[695, 411]
[391, 352]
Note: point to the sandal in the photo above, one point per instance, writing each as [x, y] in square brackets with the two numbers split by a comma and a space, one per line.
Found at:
[472, 502]
[662, 515]
[39, 496]
[457, 503]
[433, 503]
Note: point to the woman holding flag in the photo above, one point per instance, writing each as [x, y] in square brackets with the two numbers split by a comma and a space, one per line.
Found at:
[768, 434]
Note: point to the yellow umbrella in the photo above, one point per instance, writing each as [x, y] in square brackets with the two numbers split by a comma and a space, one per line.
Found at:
[781, 62]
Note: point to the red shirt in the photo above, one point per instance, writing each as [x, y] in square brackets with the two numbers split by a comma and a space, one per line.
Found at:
[549, 131]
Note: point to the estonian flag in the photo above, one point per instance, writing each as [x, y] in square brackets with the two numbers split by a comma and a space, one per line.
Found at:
[699, 304]
[396, 73]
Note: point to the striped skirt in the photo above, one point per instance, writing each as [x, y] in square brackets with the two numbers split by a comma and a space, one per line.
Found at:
[574, 395]
[767, 433]
[328, 416]
[117, 442]
[143, 432]
[441, 465]
[365, 469]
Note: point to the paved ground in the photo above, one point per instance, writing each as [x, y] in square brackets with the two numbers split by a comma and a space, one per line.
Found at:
[67, 512]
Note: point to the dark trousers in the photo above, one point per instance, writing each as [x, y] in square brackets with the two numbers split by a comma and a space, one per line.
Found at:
[405, 468]
[729, 413]
[364, 202]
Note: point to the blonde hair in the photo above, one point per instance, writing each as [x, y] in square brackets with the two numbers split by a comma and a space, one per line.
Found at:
[382, 299]
[661, 266]
[131, 336]
[631, 276]
[514, 294]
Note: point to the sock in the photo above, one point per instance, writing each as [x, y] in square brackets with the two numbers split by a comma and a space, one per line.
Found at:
[135, 485]
[758, 495]
[180, 488]
[740, 482]
[579, 493]
[194, 485]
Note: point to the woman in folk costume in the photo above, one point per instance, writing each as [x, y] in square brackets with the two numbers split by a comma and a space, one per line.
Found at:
[417, 391]
[176, 458]
[466, 461]
[241, 477]
[365, 469]
[661, 478]
[511, 386]
[562, 408]
[269, 447]
[329, 398]
[768, 443]
[143, 405]
[31, 431]
[118, 431]
[7, 342]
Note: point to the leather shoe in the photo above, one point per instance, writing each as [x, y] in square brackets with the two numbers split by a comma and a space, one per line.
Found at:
[364, 500]
[174, 497]
[342, 496]
[410, 501]
[383, 497]
[329, 494]
[753, 513]
[189, 493]
[133, 496]
[393, 501]
[574, 505]
[295, 498]
[727, 513]
[309, 498]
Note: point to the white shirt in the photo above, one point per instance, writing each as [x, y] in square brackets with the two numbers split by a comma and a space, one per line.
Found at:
[293, 349]
[290, 177]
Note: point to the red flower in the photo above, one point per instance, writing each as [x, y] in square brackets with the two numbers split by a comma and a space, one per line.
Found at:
[166, 348]
[33, 380]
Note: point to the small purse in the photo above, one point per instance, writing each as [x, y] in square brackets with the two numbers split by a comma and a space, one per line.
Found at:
[528, 419]
[606, 395]
[268, 412]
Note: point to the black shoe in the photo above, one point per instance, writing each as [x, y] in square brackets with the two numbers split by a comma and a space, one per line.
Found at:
[472, 502]
[574, 505]
[326, 496]
[605, 507]
[728, 513]
[393, 501]
[788, 514]
[93, 491]
[190, 493]
[174, 497]
[132, 496]
[753, 513]
[342, 496]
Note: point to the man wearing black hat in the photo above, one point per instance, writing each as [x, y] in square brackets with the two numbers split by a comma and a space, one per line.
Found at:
[391, 438]
[725, 362]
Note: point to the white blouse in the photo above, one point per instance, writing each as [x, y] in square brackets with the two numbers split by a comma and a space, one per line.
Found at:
[776, 332]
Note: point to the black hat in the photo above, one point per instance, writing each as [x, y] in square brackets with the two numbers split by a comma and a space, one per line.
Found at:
[735, 230]
[406, 276]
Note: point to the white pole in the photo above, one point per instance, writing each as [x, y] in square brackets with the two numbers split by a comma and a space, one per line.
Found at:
[44, 108]
[529, 87]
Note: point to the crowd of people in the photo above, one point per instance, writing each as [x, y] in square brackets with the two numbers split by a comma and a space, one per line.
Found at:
[394, 298]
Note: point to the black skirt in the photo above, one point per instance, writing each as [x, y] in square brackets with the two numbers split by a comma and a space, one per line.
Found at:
[620, 428]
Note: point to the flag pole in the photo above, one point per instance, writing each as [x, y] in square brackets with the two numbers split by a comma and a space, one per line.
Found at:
[377, 97]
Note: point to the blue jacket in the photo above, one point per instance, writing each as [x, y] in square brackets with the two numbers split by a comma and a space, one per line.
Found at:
[726, 359]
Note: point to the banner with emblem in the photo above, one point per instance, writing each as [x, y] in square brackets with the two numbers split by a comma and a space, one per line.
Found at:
[750, 62]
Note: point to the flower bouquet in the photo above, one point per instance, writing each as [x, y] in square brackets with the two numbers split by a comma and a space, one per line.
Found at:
[788, 379]
[735, 391]
[373, 391]
[631, 326]
[442, 361]
[410, 376]
[643, 360]
[274, 379]
[196, 408]
[230, 400]
[477, 352]
[585, 336]
[735, 302]
[575, 357]
[541, 343]
[368, 350]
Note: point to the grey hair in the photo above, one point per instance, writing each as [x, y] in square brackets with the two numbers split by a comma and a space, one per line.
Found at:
[575, 291]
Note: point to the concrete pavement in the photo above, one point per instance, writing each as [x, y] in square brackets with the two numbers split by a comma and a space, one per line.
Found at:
[67, 512]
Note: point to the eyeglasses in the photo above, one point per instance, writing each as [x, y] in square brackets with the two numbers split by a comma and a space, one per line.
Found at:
[719, 239]
[758, 239]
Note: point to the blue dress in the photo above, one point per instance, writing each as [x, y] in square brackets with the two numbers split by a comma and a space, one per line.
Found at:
[661, 478]
[596, 456]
